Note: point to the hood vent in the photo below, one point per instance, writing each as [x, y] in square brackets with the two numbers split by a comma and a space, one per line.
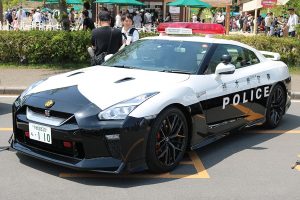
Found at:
[76, 73]
[125, 79]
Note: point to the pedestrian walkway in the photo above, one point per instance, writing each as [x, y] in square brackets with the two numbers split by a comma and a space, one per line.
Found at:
[14, 81]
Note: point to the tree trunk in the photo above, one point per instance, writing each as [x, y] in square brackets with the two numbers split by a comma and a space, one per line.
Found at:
[1, 13]
[63, 6]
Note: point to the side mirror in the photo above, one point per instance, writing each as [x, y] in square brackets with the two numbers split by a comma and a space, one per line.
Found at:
[108, 57]
[223, 68]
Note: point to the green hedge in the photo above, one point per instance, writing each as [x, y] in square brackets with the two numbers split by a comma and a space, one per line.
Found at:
[59, 47]
[288, 48]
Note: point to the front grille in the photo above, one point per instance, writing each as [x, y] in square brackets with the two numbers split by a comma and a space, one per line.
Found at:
[53, 112]
[55, 118]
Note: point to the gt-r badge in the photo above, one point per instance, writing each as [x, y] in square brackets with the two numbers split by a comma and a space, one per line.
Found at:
[49, 103]
[47, 113]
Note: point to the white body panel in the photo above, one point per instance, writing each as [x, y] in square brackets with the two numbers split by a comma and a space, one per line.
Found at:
[98, 85]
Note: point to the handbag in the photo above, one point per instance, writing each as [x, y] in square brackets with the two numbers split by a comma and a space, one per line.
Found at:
[99, 59]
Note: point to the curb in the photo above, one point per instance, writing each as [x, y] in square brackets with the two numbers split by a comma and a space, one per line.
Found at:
[11, 90]
[295, 95]
[19, 90]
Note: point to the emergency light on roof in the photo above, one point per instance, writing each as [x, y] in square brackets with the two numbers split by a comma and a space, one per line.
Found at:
[197, 28]
[178, 31]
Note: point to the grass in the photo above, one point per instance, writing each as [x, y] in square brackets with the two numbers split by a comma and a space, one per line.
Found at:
[294, 70]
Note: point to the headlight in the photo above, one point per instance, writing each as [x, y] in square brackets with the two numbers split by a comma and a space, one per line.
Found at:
[123, 109]
[30, 88]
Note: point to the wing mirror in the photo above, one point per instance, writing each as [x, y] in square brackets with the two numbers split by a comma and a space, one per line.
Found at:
[225, 67]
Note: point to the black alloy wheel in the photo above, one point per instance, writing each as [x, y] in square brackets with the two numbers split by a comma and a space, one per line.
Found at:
[275, 107]
[167, 141]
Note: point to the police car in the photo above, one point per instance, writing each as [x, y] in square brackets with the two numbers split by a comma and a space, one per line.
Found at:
[150, 103]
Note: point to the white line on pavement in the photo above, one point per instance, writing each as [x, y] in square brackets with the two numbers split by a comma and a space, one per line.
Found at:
[295, 101]
[8, 96]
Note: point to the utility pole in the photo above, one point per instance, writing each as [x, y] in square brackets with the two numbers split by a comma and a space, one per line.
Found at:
[1, 13]
[227, 20]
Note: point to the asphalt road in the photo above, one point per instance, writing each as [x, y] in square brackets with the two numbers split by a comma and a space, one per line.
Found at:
[248, 165]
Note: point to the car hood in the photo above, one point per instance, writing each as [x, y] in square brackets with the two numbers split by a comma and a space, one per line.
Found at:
[106, 86]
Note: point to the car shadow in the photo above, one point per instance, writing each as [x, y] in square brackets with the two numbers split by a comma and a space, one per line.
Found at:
[91, 178]
[5, 108]
[210, 155]
[249, 138]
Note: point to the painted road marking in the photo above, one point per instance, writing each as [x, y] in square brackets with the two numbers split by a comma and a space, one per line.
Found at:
[6, 129]
[195, 160]
[275, 131]
[8, 96]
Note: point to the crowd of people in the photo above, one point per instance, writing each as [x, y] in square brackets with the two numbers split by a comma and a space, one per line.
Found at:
[270, 25]
[147, 20]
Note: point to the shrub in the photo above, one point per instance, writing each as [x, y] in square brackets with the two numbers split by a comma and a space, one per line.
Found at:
[52, 47]
[288, 48]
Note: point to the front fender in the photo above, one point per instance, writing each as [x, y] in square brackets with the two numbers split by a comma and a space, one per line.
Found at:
[153, 106]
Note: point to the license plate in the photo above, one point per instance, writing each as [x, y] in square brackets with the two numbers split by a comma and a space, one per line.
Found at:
[40, 133]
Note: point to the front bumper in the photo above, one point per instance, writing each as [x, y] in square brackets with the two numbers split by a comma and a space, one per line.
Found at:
[91, 149]
[101, 164]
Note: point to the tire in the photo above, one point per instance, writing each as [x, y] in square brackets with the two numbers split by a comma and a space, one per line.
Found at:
[275, 107]
[167, 141]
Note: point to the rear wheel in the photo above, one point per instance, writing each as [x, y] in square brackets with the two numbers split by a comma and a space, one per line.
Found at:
[275, 107]
[167, 141]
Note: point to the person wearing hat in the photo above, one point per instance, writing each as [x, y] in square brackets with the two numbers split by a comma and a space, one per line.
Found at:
[292, 22]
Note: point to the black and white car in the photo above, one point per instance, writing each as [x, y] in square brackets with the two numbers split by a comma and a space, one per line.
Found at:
[150, 103]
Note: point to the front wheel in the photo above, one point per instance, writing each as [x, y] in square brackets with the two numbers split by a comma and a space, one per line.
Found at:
[167, 141]
[275, 107]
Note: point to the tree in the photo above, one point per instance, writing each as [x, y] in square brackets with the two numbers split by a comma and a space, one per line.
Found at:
[1, 12]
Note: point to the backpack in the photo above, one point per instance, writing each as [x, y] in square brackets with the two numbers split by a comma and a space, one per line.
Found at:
[130, 33]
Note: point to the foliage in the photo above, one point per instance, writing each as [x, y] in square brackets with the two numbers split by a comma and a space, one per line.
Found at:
[39, 47]
[11, 3]
[59, 47]
[288, 48]
[283, 9]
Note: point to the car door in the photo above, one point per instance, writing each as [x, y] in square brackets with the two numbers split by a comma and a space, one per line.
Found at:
[227, 103]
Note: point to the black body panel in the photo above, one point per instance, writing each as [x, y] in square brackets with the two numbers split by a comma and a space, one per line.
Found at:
[91, 149]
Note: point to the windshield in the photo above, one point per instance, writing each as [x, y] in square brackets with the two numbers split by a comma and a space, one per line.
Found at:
[161, 55]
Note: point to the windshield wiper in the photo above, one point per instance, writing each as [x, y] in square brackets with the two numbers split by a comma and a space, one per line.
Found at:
[123, 66]
[175, 71]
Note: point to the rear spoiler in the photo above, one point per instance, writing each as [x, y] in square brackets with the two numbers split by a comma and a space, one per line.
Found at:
[271, 55]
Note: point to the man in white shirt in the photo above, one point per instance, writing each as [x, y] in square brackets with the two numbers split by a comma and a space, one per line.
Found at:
[118, 23]
[21, 15]
[292, 22]
[268, 22]
[137, 20]
[37, 17]
[148, 21]
[194, 18]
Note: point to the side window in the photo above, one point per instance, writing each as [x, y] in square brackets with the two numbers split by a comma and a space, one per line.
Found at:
[236, 53]
[241, 57]
[251, 57]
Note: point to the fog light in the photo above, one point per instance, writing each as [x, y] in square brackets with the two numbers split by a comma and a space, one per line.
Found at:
[113, 137]
[27, 134]
[67, 144]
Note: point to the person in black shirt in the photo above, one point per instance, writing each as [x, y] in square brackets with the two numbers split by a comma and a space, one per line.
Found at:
[105, 38]
[87, 22]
